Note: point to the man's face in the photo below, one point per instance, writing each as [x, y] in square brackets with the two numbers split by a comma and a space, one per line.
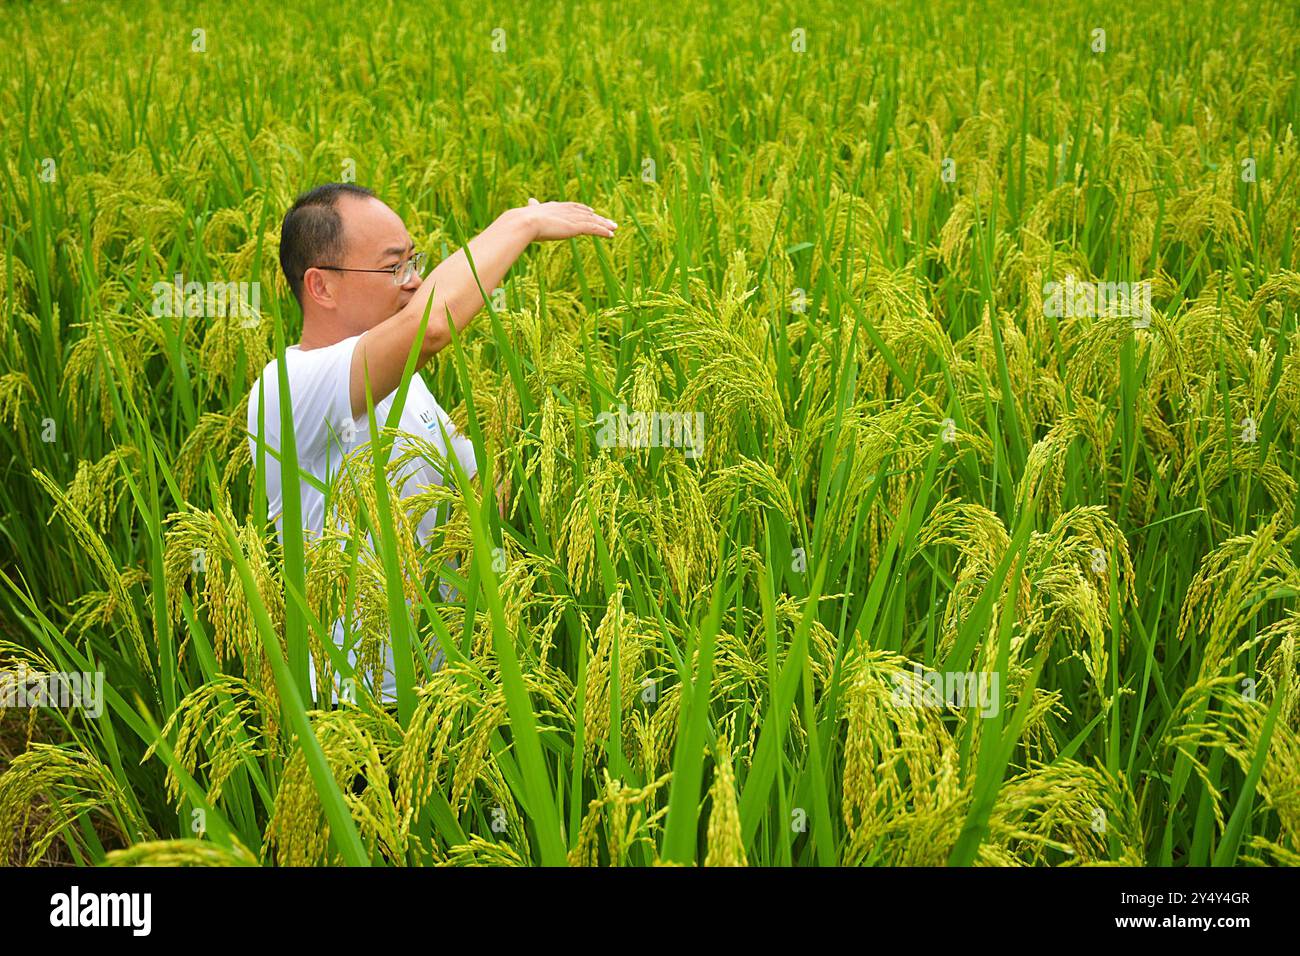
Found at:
[374, 238]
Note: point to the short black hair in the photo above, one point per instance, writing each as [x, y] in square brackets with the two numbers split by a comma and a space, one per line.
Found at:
[312, 232]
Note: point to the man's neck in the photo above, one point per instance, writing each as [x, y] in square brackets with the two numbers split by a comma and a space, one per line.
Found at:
[316, 337]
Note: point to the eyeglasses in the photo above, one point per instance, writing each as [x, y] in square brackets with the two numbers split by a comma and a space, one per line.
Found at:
[402, 273]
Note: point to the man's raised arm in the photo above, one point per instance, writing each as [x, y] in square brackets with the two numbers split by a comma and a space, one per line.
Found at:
[454, 291]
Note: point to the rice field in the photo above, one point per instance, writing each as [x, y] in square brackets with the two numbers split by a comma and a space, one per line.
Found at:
[911, 480]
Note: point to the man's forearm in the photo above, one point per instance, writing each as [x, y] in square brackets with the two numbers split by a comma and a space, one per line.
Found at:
[451, 294]
[452, 286]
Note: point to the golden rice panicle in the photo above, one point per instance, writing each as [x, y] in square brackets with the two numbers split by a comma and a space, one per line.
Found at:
[100, 608]
[849, 217]
[354, 743]
[1199, 213]
[1209, 326]
[641, 390]
[235, 333]
[77, 783]
[21, 667]
[975, 531]
[474, 762]
[758, 484]
[617, 632]
[192, 540]
[419, 765]
[982, 541]
[872, 439]
[98, 556]
[1261, 851]
[1226, 453]
[97, 488]
[83, 369]
[220, 719]
[1279, 650]
[1280, 287]
[328, 564]
[496, 402]
[684, 531]
[1071, 567]
[554, 438]
[1231, 586]
[197, 557]
[476, 851]
[725, 842]
[182, 852]
[16, 391]
[1036, 385]
[822, 644]
[1044, 474]
[1068, 808]
[893, 752]
[221, 434]
[623, 830]
[606, 497]
[660, 730]
[1226, 713]
[955, 239]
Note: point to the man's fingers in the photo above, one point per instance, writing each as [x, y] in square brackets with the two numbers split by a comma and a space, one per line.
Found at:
[598, 225]
[595, 225]
[574, 219]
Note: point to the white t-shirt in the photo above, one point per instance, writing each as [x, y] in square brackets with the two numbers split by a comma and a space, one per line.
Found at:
[320, 392]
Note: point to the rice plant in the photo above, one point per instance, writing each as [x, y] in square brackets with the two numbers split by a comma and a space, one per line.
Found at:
[911, 480]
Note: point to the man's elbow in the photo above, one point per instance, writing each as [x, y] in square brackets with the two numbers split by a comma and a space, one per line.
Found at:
[437, 333]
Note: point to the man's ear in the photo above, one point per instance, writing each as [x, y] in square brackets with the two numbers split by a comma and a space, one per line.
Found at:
[316, 286]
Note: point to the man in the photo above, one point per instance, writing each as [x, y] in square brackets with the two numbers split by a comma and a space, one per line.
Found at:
[355, 272]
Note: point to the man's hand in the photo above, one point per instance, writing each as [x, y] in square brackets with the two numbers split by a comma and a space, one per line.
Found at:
[564, 220]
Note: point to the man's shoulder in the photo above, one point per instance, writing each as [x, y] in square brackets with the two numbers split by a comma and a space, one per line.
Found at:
[266, 380]
[300, 363]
